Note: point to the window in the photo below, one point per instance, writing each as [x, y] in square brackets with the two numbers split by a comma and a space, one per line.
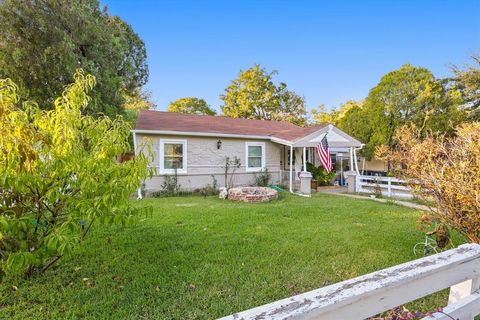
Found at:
[255, 156]
[173, 155]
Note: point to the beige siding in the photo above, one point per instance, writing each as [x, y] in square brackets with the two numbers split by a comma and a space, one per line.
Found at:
[205, 160]
[372, 165]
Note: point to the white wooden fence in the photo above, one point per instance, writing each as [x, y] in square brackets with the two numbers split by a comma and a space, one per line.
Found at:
[383, 290]
[390, 187]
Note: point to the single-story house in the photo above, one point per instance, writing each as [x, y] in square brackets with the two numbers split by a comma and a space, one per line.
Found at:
[196, 147]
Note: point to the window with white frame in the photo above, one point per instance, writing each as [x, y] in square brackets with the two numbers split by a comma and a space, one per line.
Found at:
[255, 156]
[173, 156]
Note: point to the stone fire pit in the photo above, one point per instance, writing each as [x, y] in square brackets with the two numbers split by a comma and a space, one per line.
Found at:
[252, 194]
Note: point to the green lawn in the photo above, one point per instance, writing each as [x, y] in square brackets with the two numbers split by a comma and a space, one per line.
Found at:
[197, 258]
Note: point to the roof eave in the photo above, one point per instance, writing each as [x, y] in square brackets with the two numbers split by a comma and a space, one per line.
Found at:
[213, 134]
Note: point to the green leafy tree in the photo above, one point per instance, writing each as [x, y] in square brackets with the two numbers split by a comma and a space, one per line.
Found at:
[410, 95]
[254, 95]
[43, 42]
[320, 115]
[354, 121]
[191, 105]
[59, 176]
[350, 117]
[467, 81]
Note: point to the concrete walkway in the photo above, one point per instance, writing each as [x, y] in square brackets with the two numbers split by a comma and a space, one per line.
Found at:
[341, 191]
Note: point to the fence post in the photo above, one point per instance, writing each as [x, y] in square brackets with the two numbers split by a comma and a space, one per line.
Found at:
[389, 190]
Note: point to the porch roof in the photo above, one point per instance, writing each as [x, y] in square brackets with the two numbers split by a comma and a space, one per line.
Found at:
[336, 138]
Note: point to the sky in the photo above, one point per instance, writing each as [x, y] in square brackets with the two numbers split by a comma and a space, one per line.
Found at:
[327, 51]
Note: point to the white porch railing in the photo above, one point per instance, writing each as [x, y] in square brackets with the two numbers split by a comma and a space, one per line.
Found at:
[390, 187]
[383, 290]
[285, 176]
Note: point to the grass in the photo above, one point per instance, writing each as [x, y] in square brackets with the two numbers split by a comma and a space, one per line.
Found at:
[197, 258]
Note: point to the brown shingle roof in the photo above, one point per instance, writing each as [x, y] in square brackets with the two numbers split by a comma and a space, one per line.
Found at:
[172, 121]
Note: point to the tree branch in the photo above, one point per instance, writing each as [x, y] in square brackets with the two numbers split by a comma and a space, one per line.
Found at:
[48, 265]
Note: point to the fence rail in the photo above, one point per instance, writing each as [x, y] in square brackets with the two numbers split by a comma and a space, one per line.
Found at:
[388, 186]
[383, 290]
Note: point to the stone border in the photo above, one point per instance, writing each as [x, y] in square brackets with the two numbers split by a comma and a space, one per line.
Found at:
[248, 194]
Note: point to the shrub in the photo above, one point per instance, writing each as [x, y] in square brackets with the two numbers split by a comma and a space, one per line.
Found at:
[319, 174]
[170, 185]
[445, 170]
[262, 179]
[233, 164]
[171, 188]
[59, 176]
[377, 189]
[209, 189]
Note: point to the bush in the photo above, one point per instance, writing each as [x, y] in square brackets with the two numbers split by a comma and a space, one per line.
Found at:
[170, 185]
[233, 164]
[319, 174]
[208, 190]
[445, 170]
[263, 178]
[171, 188]
[59, 176]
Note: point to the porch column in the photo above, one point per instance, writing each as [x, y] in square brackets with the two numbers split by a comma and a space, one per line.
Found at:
[351, 159]
[305, 176]
[304, 159]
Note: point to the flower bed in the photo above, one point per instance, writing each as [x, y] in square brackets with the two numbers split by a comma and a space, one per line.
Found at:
[252, 194]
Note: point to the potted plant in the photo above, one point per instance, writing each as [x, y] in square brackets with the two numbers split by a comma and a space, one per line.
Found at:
[320, 176]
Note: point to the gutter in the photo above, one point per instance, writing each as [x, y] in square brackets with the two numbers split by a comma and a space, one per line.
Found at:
[213, 134]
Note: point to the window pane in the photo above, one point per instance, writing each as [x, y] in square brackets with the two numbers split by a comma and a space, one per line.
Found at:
[254, 162]
[173, 156]
[255, 151]
[173, 162]
[173, 149]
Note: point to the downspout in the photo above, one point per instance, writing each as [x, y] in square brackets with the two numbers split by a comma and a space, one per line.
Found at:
[139, 190]
[290, 187]
[355, 157]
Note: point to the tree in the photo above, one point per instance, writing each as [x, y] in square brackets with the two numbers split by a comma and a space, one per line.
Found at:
[443, 169]
[350, 117]
[137, 100]
[410, 95]
[467, 81]
[322, 116]
[354, 120]
[254, 95]
[191, 105]
[334, 116]
[133, 103]
[43, 42]
[59, 176]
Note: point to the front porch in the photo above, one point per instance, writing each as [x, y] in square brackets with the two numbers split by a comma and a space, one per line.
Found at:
[295, 156]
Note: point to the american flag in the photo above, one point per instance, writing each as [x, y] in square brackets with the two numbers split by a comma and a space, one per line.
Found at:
[324, 155]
